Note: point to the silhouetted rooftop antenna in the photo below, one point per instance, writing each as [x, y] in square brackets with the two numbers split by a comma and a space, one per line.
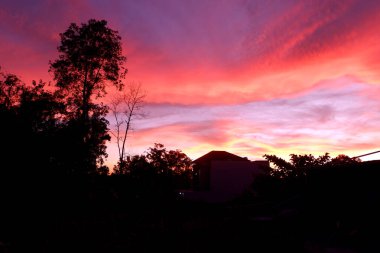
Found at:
[367, 154]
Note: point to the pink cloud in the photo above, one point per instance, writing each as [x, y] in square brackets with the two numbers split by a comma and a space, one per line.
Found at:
[299, 47]
[333, 118]
[250, 77]
[261, 51]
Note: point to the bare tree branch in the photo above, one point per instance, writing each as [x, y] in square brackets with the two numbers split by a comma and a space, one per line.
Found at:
[125, 107]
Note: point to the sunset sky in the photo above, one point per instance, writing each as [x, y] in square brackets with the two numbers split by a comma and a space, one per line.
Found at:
[248, 77]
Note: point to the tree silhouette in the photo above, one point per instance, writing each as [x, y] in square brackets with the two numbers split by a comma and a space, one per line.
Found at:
[39, 111]
[158, 161]
[171, 168]
[81, 156]
[299, 165]
[10, 89]
[174, 165]
[90, 57]
[32, 116]
[11, 127]
[168, 162]
[125, 108]
[138, 166]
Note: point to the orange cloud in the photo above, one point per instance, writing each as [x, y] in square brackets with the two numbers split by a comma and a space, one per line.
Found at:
[250, 77]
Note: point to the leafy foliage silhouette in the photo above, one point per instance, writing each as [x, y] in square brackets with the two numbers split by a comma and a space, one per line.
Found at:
[299, 165]
[90, 56]
[171, 165]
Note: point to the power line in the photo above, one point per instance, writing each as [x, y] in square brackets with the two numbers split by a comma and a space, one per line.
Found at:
[366, 154]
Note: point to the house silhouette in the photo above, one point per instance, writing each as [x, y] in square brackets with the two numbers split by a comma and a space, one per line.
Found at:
[222, 176]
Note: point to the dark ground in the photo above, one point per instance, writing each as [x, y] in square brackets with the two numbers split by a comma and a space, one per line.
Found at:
[105, 215]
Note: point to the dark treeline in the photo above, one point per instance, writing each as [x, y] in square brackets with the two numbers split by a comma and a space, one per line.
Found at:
[64, 131]
[57, 195]
[321, 204]
[54, 146]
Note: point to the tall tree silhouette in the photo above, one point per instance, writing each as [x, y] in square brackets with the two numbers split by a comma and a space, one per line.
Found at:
[90, 58]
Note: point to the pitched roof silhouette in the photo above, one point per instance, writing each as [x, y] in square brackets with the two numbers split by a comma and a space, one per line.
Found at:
[219, 156]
